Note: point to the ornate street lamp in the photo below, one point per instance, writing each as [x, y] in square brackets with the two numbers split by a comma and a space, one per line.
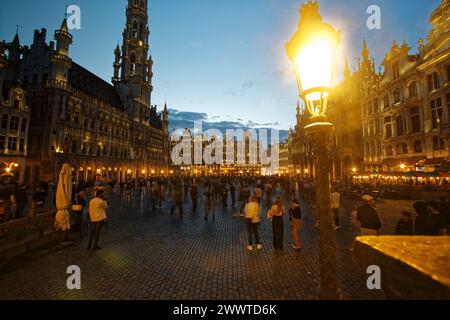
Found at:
[312, 50]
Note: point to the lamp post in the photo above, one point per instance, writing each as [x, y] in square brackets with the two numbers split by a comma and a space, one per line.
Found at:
[312, 49]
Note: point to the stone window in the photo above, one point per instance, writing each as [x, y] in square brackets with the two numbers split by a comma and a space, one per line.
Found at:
[417, 146]
[402, 148]
[412, 89]
[436, 112]
[23, 126]
[388, 127]
[400, 126]
[433, 82]
[415, 119]
[438, 143]
[397, 96]
[14, 124]
[2, 142]
[4, 122]
[12, 143]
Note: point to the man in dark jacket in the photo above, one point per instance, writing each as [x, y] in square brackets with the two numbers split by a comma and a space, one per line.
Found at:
[367, 215]
[425, 224]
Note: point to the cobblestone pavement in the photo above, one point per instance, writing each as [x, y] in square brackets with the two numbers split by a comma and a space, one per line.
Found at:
[160, 256]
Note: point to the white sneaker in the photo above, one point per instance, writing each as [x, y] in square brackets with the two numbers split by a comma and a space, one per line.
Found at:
[337, 228]
[259, 246]
[249, 248]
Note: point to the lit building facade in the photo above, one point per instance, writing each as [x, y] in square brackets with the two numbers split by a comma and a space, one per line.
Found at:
[405, 108]
[104, 131]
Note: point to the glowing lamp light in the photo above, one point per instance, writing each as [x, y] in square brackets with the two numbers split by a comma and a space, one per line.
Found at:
[8, 169]
[354, 170]
[312, 50]
[402, 166]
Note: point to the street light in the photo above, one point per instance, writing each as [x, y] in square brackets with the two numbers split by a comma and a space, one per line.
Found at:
[312, 50]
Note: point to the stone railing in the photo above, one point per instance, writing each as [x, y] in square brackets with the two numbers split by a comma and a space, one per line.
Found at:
[412, 267]
[22, 235]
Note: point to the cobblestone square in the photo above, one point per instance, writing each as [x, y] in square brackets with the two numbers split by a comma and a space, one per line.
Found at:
[155, 255]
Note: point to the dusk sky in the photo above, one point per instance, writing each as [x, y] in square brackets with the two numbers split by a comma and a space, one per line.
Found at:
[225, 59]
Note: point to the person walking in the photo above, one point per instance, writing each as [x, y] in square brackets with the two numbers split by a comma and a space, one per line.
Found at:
[367, 215]
[97, 215]
[208, 202]
[233, 195]
[194, 196]
[21, 200]
[77, 210]
[276, 214]
[177, 200]
[335, 206]
[252, 216]
[296, 223]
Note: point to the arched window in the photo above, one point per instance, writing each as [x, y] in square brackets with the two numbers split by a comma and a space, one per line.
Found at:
[417, 146]
[412, 89]
[434, 82]
[402, 148]
[400, 126]
[397, 96]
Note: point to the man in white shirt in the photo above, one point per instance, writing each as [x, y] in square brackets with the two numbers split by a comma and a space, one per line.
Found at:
[335, 205]
[97, 214]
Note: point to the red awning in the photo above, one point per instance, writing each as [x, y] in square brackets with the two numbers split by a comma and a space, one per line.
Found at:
[432, 162]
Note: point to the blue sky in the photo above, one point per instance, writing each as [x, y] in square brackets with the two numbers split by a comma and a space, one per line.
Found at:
[223, 58]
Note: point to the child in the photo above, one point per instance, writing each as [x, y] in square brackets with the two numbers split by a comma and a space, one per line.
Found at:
[405, 225]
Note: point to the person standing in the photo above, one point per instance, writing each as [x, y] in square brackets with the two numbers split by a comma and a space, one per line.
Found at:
[194, 196]
[77, 210]
[21, 199]
[252, 216]
[405, 226]
[244, 194]
[233, 195]
[177, 200]
[296, 223]
[335, 206]
[425, 224]
[208, 202]
[97, 215]
[367, 215]
[276, 214]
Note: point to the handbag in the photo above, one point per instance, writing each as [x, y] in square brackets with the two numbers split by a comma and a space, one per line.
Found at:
[270, 213]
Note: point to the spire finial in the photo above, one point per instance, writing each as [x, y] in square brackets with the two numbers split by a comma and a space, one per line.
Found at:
[17, 29]
[346, 70]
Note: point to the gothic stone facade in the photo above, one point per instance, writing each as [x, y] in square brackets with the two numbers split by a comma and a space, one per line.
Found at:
[105, 131]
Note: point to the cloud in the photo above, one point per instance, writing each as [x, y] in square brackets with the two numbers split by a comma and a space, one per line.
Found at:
[180, 120]
[241, 91]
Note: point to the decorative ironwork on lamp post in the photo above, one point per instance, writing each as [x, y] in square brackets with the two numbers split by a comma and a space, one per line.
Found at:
[312, 50]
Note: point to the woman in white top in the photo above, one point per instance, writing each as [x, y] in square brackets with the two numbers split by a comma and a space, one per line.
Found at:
[252, 211]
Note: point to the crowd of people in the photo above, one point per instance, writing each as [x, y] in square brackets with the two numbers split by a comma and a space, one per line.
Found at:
[19, 200]
[247, 196]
